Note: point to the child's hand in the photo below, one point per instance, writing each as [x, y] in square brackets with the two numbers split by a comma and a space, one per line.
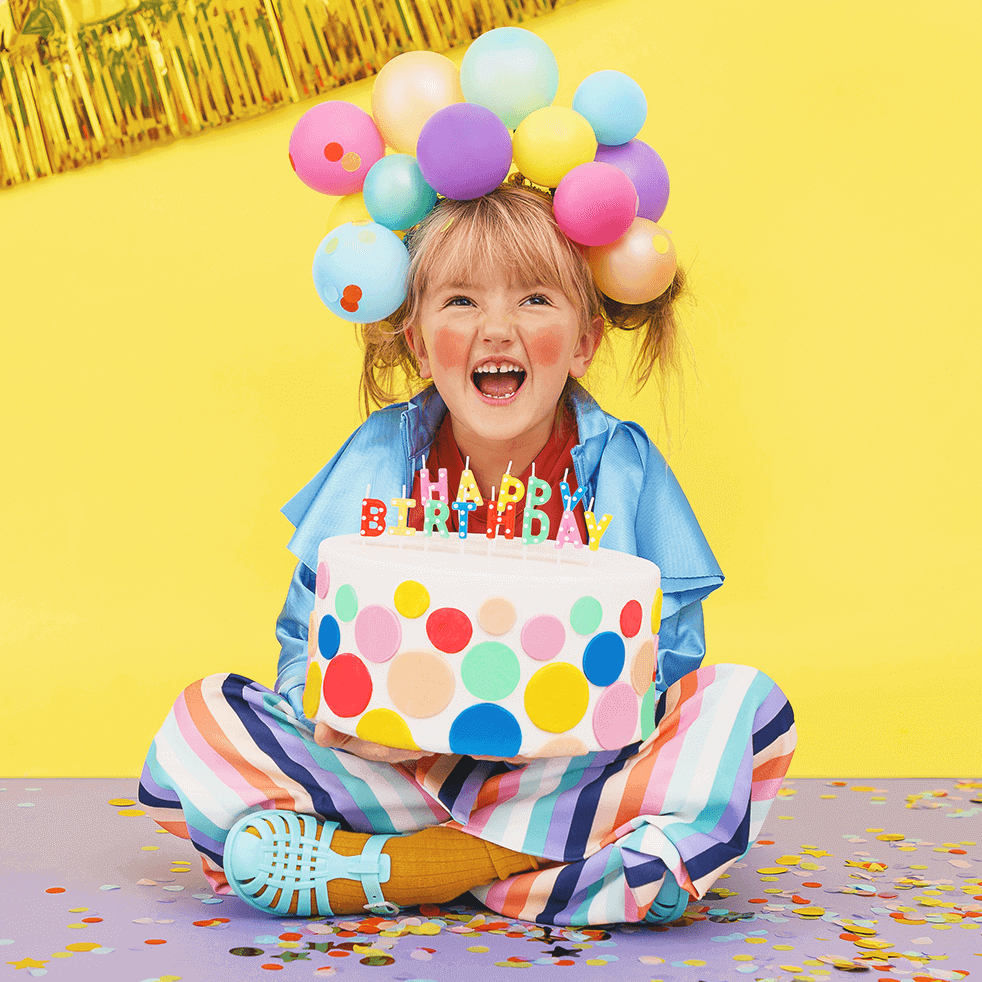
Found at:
[326, 736]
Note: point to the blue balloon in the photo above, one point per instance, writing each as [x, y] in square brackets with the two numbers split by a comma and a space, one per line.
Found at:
[360, 272]
[510, 71]
[396, 195]
[614, 105]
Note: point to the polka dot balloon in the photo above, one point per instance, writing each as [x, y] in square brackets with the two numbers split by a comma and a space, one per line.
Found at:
[359, 272]
[333, 146]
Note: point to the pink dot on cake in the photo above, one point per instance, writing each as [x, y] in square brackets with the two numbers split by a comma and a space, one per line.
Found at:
[328, 636]
[347, 685]
[543, 637]
[497, 615]
[631, 617]
[643, 667]
[323, 580]
[615, 717]
[411, 599]
[449, 629]
[378, 633]
[420, 683]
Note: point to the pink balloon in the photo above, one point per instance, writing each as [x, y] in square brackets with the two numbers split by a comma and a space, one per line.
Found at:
[595, 204]
[333, 146]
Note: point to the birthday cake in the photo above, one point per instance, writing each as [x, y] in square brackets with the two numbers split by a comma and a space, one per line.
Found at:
[488, 647]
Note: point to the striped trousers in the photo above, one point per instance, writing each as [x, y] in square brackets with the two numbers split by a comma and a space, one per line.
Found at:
[690, 799]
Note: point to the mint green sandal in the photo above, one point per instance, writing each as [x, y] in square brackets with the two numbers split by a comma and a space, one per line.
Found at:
[286, 860]
[670, 903]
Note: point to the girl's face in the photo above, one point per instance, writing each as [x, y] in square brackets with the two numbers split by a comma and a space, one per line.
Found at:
[499, 354]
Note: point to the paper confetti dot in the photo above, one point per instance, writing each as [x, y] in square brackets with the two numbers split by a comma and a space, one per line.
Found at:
[131, 812]
[121, 802]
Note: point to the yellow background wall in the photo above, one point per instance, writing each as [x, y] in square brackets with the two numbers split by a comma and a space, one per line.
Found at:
[170, 379]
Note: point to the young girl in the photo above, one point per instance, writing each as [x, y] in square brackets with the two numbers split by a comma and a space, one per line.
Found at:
[501, 318]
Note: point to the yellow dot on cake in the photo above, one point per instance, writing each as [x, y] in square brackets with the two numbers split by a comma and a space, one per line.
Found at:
[411, 599]
[557, 697]
[312, 690]
[656, 611]
[385, 727]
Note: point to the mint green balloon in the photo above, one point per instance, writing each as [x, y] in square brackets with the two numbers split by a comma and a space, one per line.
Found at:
[510, 71]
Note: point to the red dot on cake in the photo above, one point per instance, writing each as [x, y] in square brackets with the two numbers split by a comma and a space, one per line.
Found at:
[347, 685]
[449, 629]
[334, 152]
[631, 616]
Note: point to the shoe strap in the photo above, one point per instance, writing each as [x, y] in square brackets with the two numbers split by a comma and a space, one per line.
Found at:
[373, 867]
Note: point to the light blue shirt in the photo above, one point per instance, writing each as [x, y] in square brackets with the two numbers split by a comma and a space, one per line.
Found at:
[614, 460]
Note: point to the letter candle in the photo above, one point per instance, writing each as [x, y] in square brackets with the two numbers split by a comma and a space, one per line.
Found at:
[568, 530]
[538, 493]
[372, 514]
[403, 504]
[509, 494]
[468, 499]
[492, 525]
[595, 530]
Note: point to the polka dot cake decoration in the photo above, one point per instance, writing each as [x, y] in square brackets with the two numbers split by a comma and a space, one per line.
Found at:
[460, 646]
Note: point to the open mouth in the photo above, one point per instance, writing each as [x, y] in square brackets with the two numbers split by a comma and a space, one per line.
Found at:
[498, 381]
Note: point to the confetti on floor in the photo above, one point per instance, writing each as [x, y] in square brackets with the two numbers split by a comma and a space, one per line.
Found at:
[879, 878]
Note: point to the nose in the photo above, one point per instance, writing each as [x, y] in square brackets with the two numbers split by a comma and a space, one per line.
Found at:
[498, 329]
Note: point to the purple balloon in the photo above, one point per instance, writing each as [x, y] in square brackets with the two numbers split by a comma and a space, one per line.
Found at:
[464, 151]
[647, 173]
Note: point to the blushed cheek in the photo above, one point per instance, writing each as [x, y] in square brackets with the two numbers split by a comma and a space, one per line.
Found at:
[450, 350]
[546, 346]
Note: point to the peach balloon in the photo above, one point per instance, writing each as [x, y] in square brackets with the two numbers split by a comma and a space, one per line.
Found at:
[638, 267]
[407, 91]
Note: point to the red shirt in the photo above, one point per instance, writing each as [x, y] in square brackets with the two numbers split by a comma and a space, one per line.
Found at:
[553, 461]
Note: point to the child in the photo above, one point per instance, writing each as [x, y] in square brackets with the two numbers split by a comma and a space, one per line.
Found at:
[597, 838]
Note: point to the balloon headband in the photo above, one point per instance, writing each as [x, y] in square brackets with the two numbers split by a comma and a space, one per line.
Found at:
[456, 134]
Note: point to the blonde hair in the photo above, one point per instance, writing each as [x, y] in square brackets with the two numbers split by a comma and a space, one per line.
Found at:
[511, 230]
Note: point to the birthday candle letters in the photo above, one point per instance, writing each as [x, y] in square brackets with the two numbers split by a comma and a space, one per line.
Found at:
[501, 510]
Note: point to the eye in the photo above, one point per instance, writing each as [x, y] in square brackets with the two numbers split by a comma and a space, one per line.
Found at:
[537, 296]
[452, 302]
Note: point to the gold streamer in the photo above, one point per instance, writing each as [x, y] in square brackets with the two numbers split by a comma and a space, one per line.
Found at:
[83, 80]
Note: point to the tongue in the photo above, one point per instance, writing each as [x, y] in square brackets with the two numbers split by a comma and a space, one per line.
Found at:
[499, 384]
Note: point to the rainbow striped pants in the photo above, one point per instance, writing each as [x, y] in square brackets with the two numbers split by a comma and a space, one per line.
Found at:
[690, 799]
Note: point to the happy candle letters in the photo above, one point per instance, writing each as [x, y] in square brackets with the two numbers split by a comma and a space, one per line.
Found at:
[502, 510]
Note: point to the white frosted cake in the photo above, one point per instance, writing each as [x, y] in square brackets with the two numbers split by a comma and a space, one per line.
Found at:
[442, 645]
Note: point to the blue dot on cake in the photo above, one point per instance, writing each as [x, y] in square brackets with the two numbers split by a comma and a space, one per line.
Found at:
[603, 658]
[486, 730]
[328, 636]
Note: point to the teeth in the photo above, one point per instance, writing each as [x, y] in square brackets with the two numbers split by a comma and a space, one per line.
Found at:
[507, 367]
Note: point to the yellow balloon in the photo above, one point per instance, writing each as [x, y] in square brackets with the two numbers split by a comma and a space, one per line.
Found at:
[350, 208]
[407, 91]
[550, 142]
[638, 267]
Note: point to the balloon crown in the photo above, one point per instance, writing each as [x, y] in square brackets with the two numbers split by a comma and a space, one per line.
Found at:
[456, 134]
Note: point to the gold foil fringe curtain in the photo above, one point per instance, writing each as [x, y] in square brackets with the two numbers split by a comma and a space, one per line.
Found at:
[82, 80]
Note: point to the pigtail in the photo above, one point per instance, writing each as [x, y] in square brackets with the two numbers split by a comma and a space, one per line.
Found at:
[389, 366]
[658, 332]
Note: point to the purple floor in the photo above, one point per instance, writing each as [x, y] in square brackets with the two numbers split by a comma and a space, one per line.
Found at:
[882, 877]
